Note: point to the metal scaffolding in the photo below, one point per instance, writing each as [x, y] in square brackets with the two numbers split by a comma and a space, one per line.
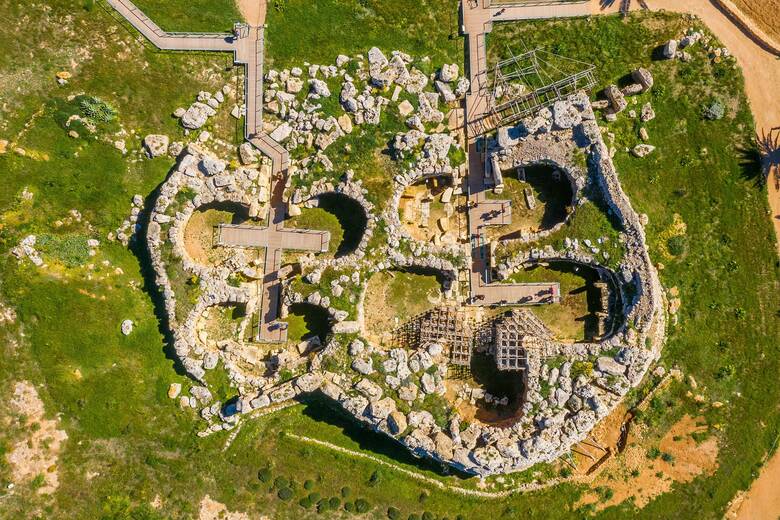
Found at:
[534, 80]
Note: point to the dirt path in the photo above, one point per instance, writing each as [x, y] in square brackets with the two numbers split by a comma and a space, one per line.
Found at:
[761, 501]
[253, 11]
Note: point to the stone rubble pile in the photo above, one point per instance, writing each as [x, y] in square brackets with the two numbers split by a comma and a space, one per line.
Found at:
[205, 106]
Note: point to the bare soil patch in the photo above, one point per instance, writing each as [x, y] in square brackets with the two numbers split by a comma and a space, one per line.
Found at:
[443, 223]
[394, 297]
[213, 510]
[33, 459]
[253, 11]
[634, 475]
[765, 13]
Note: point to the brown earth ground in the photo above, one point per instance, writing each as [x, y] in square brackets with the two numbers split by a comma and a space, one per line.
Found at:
[766, 13]
[34, 456]
[253, 11]
[632, 475]
[760, 67]
[394, 297]
[213, 510]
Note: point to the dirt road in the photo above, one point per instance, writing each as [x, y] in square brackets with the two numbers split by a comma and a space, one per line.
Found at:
[253, 11]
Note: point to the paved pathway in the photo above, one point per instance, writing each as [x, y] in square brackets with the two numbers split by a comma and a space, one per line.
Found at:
[478, 21]
[247, 50]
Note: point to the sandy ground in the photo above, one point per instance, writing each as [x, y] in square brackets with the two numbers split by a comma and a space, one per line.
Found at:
[213, 510]
[761, 69]
[762, 500]
[37, 453]
[253, 11]
[652, 478]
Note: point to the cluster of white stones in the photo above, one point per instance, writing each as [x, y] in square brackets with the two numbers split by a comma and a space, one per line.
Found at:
[556, 415]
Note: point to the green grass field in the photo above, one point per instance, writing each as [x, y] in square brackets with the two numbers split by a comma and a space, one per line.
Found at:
[129, 444]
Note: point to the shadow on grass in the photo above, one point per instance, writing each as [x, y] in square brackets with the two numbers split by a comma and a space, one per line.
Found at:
[325, 410]
[316, 320]
[139, 248]
[351, 217]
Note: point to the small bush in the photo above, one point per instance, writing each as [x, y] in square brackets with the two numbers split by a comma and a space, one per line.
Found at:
[653, 453]
[308, 485]
[427, 515]
[305, 503]
[667, 457]
[374, 479]
[713, 110]
[264, 475]
[414, 516]
[285, 493]
[323, 506]
[334, 502]
[393, 513]
[281, 482]
[362, 505]
[71, 250]
[349, 507]
[97, 110]
[676, 245]
[346, 492]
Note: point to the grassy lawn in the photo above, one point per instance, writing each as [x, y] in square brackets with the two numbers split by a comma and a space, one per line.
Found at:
[316, 31]
[128, 443]
[306, 321]
[571, 319]
[192, 15]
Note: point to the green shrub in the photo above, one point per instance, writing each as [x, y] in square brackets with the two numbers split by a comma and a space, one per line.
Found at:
[676, 245]
[308, 485]
[349, 507]
[414, 516]
[323, 506]
[264, 475]
[71, 250]
[346, 492]
[653, 453]
[281, 482]
[334, 502]
[285, 493]
[374, 479]
[362, 505]
[393, 513]
[427, 515]
[305, 502]
[713, 110]
[667, 457]
[96, 109]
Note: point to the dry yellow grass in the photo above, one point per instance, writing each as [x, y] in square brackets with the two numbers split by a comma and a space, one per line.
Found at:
[765, 14]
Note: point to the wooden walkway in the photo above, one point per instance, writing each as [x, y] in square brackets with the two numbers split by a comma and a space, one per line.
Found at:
[477, 22]
[248, 50]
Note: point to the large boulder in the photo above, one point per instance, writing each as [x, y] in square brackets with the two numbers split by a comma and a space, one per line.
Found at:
[670, 49]
[609, 366]
[643, 77]
[196, 116]
[643, 150]
[566, 115]
[448, 72]
[396, 422]
[156, 145]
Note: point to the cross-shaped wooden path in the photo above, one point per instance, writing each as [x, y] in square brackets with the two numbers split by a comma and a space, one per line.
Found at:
[247, 46]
